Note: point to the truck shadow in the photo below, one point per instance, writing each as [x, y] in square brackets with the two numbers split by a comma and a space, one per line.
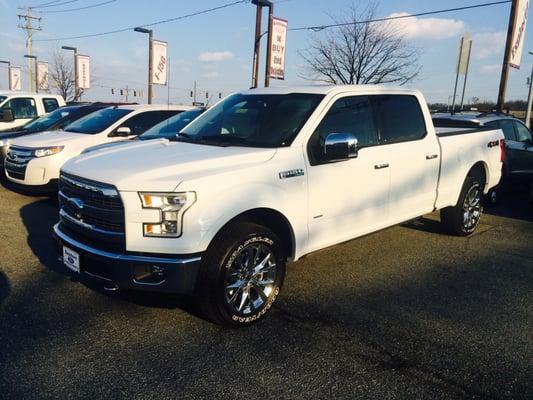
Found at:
[5, 287]
[515, 202]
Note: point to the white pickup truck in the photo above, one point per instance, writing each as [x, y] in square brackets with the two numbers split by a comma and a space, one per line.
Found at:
[33, 161]
[264, 177]
[19, 108]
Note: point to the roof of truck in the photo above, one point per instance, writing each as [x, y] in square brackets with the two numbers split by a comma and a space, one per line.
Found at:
[330, 89]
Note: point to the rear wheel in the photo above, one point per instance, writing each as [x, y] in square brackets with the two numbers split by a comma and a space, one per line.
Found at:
[241, 275]
[464, 217]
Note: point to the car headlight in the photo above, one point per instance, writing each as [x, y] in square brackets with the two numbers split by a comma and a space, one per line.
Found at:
[172, 206]
[47, 151]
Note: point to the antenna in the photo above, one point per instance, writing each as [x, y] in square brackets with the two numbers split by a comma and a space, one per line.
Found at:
[26, 23]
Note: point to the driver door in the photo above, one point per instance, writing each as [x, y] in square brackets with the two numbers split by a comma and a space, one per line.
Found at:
[351, 197]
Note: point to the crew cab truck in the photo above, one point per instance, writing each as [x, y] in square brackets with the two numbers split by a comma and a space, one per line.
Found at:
[264, 177]
[19, 108]
[33, 161]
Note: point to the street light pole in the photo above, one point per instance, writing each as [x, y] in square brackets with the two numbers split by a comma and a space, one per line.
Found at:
[36, 71]
[257, 42]
[150, 55]
[8, 73]
[76, 87]
[269, 43]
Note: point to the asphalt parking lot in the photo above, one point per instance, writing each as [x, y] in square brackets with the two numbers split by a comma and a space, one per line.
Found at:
[406, 313]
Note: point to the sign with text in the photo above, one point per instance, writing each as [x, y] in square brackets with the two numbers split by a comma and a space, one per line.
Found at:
[83, 63]
[519, 33]
[42, 75]
[276, 69]
[14, 78]
[159, 62]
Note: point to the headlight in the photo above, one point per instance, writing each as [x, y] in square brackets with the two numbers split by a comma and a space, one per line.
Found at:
[47, 151]
[172, 206]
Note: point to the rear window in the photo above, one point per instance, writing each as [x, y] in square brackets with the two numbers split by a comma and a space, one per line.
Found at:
[50, 105]
[97, 121]
[400, 118]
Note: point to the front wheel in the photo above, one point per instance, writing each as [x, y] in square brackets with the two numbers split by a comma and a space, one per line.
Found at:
[463, 218]
[241, 275]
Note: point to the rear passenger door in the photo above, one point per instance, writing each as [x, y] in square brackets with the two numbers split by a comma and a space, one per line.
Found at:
[413, 155]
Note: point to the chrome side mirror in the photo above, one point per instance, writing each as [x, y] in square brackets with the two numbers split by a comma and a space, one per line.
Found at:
[123, 131]
[340, 146]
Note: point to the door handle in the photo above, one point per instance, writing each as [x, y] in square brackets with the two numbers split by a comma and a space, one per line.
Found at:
[381, 166]
[431, 156]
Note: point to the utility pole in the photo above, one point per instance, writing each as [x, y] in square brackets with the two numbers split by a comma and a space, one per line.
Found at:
[26, 24]
[506, 57]
[150, 39]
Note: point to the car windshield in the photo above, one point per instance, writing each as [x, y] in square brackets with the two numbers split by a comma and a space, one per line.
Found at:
[97, 121]
[252, 120]
[170, 127]
[48, 120]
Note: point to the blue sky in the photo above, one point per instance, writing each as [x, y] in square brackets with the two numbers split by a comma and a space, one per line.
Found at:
[216, 49]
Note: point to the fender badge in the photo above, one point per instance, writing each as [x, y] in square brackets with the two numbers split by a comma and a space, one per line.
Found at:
[291, 173]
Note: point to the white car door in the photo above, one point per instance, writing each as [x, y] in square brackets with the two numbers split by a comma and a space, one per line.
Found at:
[414, 155]
[351, 197]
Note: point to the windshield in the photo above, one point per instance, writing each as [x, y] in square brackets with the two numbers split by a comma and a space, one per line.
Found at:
[254, 120]
[48, 120]
[97, 121]
[170, 127]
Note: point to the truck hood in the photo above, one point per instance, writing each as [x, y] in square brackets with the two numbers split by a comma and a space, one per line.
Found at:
[50, 139]
[160, 165]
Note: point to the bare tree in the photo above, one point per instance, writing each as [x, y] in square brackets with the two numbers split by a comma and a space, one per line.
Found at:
[62, 76]
[359, 52]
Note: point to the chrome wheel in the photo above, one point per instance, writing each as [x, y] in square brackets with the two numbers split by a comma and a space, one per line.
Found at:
[472, 208]
[250, 278]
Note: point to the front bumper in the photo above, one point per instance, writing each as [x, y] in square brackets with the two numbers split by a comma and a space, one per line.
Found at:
[154, 273]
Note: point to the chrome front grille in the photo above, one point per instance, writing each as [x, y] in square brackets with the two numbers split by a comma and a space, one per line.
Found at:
[17, 160]
[92, 212]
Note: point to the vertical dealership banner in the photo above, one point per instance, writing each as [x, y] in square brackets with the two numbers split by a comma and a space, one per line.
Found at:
[14, 78]
[159, 62]
[83, 63]
[42, 75]
[276, 69]
[519, 33]
[464, 55]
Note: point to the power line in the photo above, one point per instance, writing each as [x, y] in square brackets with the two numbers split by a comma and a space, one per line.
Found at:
[448, 10]
[53, 4]
[79, 8]
[150, 24]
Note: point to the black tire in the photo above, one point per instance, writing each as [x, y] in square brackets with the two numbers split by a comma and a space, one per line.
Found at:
[454, 218]
[225, 263]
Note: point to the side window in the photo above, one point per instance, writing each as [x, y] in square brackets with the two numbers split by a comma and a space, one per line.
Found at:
[347, 115]
[22, 107]
[50, 105]
[522, 133]
[506, 125]
[141, 122]
[400, 118]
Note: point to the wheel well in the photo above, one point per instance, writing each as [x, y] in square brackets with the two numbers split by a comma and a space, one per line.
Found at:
[273, 220]
[479, 171]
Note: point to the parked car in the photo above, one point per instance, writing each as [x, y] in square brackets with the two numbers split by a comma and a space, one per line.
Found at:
[518, 159]
[34, 160]
[264, 177]
[55, 120]
[166, 129]
[19, 108]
